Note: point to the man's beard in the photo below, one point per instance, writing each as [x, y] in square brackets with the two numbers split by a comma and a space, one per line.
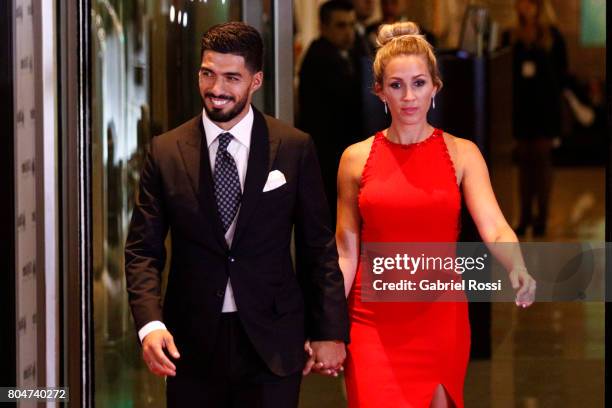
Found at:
[217, 115]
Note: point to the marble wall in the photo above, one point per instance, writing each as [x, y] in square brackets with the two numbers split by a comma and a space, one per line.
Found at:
[25, 195]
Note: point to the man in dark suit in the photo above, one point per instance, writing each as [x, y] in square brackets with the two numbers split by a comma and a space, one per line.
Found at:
[374, 117]
[329, 100]
[230, 185]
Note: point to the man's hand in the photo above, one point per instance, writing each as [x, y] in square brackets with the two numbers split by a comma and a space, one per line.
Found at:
[153, 346]
[326, 357]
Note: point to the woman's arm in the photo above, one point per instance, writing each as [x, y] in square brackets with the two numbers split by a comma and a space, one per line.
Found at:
[479, 196]
[492, 226]
[348, 219]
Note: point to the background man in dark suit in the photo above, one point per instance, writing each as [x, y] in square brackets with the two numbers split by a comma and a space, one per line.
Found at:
[373, 116]
[329, 98]
[230, 184]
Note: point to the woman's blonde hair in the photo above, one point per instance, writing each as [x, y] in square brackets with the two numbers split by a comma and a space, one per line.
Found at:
[403, 38]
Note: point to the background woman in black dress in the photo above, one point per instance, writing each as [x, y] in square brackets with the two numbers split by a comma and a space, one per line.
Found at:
[540, 64]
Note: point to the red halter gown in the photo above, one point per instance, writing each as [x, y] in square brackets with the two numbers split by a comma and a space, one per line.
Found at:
[401, 351]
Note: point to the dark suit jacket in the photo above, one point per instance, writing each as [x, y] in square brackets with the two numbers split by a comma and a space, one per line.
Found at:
[278, 306]
[537, 100]
[329, 107]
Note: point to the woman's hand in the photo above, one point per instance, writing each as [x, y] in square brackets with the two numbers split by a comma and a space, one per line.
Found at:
[319, 367]
[524, 285]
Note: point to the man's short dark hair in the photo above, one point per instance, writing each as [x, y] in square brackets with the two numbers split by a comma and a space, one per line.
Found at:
[235, 38]
[326, 9]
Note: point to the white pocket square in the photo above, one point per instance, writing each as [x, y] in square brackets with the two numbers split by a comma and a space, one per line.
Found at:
[275, 180]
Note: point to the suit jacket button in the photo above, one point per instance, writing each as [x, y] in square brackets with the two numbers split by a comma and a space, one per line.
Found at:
[231, 259]
[220, 293]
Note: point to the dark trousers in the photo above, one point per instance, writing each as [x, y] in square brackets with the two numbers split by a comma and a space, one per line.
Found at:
[235, 377]
[535, 179]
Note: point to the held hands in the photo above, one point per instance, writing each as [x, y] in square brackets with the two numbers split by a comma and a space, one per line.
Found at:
[153, 346]
[326, 357]
[524, 285]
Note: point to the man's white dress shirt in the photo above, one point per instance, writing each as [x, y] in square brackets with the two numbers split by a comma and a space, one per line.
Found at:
[239, 149]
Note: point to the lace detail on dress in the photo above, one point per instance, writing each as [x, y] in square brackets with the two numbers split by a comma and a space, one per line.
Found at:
[449, 159]
[434, 135]
[451, 166]
[366, 168]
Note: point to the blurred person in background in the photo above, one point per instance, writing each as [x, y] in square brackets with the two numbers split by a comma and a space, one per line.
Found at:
[539, 70]
[364, 51]
[393, 12]
[583, 138]
[404, 185]
[329, 100]
[364, 10]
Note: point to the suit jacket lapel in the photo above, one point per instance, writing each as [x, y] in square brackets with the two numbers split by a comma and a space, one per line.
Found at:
[261, 157]
[194, 150]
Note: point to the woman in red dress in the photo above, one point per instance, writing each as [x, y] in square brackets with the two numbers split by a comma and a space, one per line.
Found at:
[403, 185]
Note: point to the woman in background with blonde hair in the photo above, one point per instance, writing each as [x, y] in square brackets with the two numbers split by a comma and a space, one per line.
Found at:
[403, 185]
[539, 71]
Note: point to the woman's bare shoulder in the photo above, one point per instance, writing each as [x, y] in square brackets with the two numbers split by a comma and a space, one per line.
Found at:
[461, 147]
[355, 157]
[460, 142]
[358, 152]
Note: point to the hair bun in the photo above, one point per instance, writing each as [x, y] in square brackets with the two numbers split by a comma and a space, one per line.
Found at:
[388, 32]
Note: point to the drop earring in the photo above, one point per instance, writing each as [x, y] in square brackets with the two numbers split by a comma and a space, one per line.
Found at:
[433, 102]
[386, 109]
